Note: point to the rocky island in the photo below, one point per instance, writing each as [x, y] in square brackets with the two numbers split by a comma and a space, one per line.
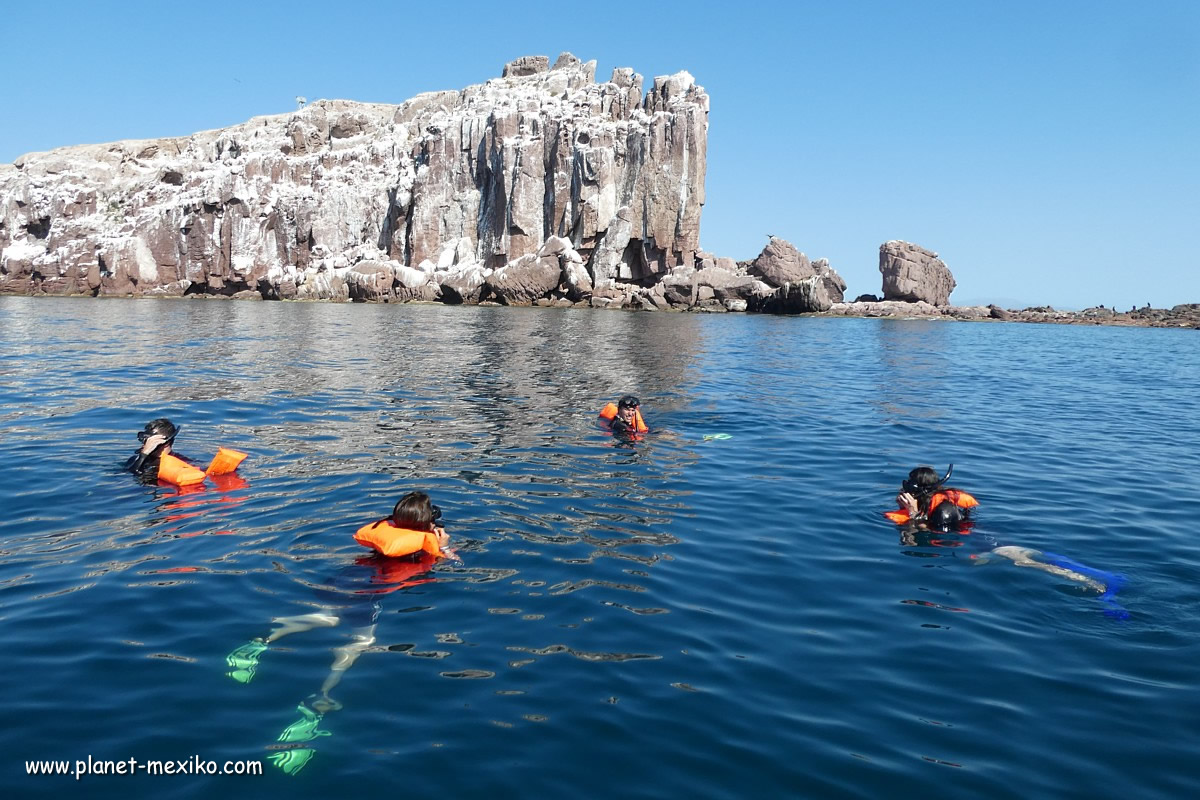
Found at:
[540, 187]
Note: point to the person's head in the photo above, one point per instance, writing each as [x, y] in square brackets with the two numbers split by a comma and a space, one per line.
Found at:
[945, 516]
[627, 407]
[415, 512]
[159, 427]
[922, 482]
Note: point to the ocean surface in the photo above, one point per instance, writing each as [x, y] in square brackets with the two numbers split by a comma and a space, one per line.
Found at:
[682, 616]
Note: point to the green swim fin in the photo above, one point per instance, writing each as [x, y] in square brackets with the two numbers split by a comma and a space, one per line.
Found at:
[292, 761]
[243, 661]
[305, 728]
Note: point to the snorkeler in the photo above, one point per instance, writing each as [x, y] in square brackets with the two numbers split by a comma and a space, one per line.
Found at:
[926, 502]
[624, 418]
[154, 461]
[157, 438]
[408, 544]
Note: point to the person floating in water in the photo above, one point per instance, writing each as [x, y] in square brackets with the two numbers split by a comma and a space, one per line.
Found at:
[157, 439]
[155, 462]
[624, 418]
[407, 543]
[928, 504]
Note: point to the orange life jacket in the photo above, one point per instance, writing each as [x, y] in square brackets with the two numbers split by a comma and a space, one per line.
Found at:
[179, 472]
[225, 461]
[386, 538]
[609, 412]
[956, 496]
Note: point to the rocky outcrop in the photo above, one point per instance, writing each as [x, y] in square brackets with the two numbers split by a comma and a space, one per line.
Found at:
[791, 283]
[1180, 316]
[913, 274]
[489, 173]
[780, 263]
[805, 296]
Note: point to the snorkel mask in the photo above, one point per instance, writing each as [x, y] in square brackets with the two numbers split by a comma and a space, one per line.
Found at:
[159, 427]
[913, 488]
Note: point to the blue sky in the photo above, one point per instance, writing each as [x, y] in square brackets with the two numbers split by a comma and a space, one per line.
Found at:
[1047, 150]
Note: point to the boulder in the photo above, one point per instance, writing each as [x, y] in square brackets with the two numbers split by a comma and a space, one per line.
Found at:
[369, 281]
[911, 273]
[525, 280]
[780, 262]
[527, 65]
[463, 287]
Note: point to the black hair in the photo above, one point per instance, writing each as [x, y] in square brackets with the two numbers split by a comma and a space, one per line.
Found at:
[922, 482]
[415, 512]
[628, 401]
[158, 427]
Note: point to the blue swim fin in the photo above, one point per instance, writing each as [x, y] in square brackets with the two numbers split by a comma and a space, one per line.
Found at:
[1113, 582]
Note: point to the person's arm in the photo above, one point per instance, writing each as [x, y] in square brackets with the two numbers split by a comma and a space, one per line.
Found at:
[138, 461]
[908, 503]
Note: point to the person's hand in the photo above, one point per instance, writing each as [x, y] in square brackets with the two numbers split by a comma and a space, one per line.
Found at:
[443, 538]
[153, 443]
[907, 502]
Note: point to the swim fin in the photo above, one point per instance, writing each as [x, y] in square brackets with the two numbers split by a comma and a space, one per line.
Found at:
[305, 728]
[292, 761]
[243, 661]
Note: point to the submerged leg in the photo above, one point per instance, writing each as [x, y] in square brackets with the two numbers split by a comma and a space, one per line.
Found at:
[343, 658]
[300, 624]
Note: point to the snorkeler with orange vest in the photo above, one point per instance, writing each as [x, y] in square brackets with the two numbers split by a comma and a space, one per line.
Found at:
[926, 504]
[155, 462]
[624, 418]
[407, 544]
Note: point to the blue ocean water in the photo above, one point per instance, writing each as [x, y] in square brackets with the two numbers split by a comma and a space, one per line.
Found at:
[721, 618]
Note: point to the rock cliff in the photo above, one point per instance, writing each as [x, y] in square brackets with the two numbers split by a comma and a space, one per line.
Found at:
[451, 195]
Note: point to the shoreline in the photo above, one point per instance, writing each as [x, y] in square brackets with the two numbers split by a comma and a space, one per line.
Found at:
[1185, 315]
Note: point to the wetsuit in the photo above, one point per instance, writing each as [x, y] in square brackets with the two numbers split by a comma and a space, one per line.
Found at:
[145, 465]
[622, 428]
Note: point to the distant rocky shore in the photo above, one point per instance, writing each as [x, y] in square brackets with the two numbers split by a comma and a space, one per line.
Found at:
[541, 187]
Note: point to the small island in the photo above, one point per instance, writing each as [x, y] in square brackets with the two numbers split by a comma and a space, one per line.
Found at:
[540, 187]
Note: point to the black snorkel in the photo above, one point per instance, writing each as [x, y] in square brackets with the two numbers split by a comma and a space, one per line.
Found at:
[946, 477]
[918, 490]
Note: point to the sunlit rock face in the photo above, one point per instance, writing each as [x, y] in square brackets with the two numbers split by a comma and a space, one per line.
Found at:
[442, 190]
[913, 274]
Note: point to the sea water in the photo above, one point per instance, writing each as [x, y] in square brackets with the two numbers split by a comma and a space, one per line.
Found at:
[683, 616]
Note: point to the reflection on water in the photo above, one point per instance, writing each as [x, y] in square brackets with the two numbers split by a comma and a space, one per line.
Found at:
[718, 610]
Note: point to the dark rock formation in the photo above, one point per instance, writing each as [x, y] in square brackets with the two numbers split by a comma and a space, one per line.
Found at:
[913, 274]
[805, 296]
